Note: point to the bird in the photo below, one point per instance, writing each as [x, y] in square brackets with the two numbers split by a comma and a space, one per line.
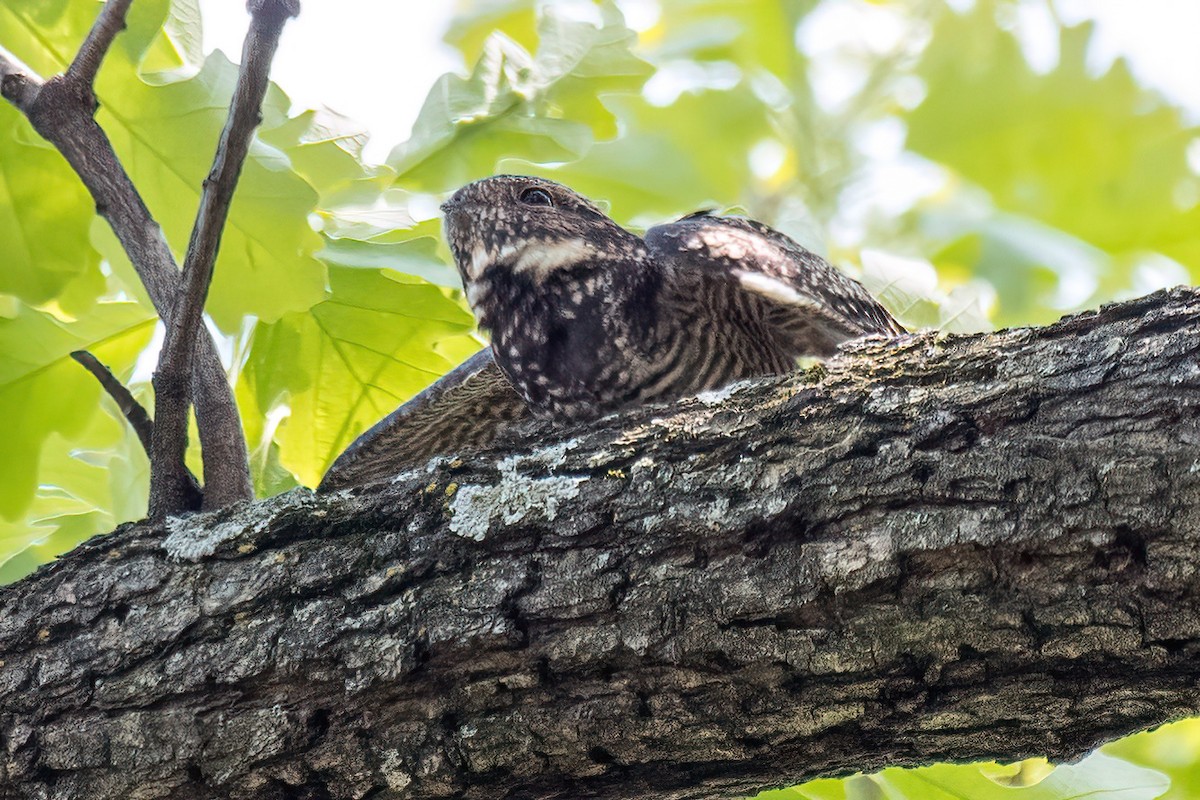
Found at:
[586, 318]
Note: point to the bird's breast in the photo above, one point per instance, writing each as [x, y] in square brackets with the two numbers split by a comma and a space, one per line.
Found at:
[569, 346]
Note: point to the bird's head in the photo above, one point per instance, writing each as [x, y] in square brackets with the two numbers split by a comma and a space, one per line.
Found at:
[529, 226]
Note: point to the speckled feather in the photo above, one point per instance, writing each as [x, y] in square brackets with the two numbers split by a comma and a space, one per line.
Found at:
[587, 318]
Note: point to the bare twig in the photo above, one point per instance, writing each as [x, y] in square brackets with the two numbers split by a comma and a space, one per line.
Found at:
[137, 417]
[131, 409]
[61, 111]
[175, 361]
[87, 61]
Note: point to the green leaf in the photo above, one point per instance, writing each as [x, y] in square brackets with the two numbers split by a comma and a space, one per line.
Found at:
[542, 108]
[909, 289]
[470, 29]
[43, 391]
[1039, 272]
[1172, 749]
[672, 160]
[167, 135]
[750, 35]
[325, 148]
[176, 43]
[353, 359]
[87, 486]
[45, 214]
[419, 256]
[1099, 158]
[1097, 777]
[823, 789]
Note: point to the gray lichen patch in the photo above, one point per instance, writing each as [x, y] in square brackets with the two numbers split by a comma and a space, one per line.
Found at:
[515, 497]
[197, 536]
[715, 397]
[188, 541]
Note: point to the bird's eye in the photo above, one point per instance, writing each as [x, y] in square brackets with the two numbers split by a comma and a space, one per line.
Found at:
[534, 196]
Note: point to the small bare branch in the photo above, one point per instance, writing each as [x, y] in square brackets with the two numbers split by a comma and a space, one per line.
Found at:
[175, 362]
[131, 409]
[137, 417]
[87, 61]
[61, 111]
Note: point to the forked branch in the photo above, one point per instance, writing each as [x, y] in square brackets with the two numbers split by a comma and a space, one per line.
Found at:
[175, 361]
[138, 418]
[61, 110]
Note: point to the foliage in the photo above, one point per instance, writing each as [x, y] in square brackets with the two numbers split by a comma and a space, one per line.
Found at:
[1099, 776]
[965, 188]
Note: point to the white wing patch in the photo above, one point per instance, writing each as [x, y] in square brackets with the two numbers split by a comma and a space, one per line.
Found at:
[771, 288]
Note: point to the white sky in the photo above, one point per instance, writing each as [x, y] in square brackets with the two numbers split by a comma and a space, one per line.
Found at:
[374, 60]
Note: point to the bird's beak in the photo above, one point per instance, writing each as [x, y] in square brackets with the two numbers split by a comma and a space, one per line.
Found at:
[454, 203]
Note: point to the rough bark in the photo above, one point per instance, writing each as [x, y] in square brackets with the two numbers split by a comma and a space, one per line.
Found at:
[933, 549]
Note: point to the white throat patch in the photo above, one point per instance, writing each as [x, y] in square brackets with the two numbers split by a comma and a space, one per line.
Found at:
[540, 258]
[544, 258]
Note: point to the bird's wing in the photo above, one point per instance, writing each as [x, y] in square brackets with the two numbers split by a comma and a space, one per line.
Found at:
[804, 300]
[463, 410]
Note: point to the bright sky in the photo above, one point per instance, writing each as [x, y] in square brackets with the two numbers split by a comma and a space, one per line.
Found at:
[374, 60]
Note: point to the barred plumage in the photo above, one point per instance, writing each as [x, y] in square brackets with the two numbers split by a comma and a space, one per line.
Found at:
[587, 318]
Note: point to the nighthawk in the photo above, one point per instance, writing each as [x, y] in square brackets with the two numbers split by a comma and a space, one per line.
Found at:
[587, 318]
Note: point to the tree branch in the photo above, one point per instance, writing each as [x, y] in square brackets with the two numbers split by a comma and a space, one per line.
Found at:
[130, 408]
[61, 111]
[137, 418]
[933, 549]
[175, 361]
[109, 23]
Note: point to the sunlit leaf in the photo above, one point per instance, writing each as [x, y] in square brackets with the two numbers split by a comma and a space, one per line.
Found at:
[1173, 750]
[672, 160]
[88, 484]
[167, 136]
[350, 361]
[543, 107]
[909, 289]
[748, 34]
[476, 20]
[1039, 272]
[1099, 158]
[1097, 777]
[43, 391]
[45, 214]
[325, 148]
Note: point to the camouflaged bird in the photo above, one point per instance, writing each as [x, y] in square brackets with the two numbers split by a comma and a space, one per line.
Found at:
[586, 318]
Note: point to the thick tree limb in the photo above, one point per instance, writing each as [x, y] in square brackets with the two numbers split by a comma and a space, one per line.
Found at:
[976, 547]
[61, 110]
[167, 467]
